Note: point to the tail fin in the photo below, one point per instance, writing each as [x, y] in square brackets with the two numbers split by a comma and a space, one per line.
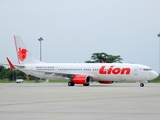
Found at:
[24, 57]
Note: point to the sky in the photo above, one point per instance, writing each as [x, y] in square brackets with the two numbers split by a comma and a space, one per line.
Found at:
[72, 30]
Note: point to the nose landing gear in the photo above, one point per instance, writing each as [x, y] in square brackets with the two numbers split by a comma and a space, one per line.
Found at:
[141, 84]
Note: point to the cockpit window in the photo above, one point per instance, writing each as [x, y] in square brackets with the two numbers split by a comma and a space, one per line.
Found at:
[146, 69]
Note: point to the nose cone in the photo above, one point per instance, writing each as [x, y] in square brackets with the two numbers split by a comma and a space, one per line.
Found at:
[155, 74]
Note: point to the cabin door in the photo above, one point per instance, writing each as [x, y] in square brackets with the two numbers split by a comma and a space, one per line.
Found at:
[136, 70]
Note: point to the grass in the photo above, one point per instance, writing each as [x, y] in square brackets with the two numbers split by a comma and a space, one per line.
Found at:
[2, 80]
[157, 80]
[58, 81]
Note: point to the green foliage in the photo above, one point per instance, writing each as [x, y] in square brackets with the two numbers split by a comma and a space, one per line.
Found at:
[104, 57]
[2, 72]
[156, 80]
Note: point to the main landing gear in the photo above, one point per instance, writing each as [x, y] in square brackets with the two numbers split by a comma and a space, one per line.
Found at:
[86, 84]
[70, 83]
[141, 84]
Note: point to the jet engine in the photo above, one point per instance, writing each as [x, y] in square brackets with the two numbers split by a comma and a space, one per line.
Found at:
[81, 79]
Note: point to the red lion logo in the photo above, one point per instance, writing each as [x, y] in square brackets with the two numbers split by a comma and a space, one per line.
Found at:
[22, 54]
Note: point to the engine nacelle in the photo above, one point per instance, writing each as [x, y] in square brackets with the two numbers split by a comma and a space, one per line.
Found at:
[81, 79]
[106, 82]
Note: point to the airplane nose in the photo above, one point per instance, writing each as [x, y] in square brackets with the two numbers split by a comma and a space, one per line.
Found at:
[155, 74]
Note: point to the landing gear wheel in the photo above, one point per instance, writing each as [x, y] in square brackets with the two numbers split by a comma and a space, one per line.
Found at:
[86, 84]
[141, 85]
[70, 83]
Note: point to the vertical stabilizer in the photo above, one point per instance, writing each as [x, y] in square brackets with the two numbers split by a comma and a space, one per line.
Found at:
[24, 57]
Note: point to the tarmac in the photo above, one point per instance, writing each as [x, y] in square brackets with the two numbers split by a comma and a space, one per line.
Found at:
[58, 101]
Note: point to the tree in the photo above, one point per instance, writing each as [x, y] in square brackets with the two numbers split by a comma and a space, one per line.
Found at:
[104, 57]
[20, 75]
[8, 74]
[2, 72]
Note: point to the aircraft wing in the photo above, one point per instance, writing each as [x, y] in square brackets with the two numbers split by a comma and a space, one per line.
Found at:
[69, 75]
[2, 64]
[62, 74]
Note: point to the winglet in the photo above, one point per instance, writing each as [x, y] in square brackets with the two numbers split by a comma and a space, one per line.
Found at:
[10, 64]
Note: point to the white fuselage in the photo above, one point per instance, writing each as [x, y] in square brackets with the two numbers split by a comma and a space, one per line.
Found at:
[98, 71]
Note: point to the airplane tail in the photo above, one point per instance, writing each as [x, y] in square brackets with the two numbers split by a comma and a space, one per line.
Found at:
[24, 57]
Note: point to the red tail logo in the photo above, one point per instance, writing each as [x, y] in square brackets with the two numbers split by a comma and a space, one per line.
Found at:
[22, 54]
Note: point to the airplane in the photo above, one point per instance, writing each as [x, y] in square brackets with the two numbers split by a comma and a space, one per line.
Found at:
[80, 73]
